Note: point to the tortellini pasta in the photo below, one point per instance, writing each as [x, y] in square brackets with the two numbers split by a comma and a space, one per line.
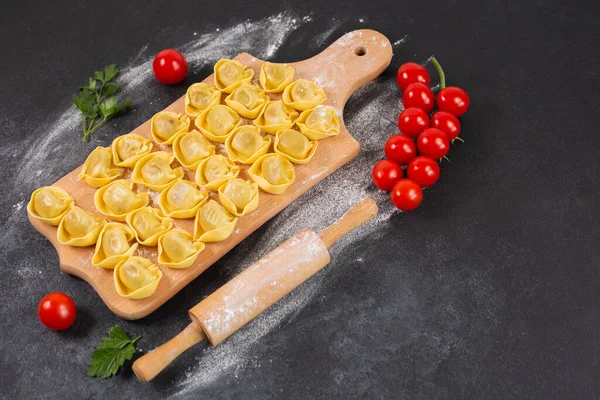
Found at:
[246, 144]
[182, 199]
[191, 147]
[247, 100]
[199, 97]
[273, 173]
[50, 204]
[148, 225]
[239, 197]
[275, 117]
[178, 249]
[303, 95]
[166, 125]
[117, 199]
[128, 149]
[216, 123]
[155, 172]
[79, 228]
[98, 169]
[275, 77]
[230, 74]
[116, 242]
[319, 123]
[294, 146]
[136, 278]
[215, 171]
[213, 223]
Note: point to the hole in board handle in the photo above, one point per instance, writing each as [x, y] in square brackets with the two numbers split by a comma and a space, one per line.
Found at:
[360, 51]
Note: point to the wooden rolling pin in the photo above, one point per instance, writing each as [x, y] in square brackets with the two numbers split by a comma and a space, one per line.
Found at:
[257, 288]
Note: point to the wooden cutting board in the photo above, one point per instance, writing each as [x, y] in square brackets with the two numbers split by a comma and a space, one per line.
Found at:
[349, 63]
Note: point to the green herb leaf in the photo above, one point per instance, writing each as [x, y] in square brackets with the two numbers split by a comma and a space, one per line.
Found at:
[99, 75]
[110, 89]
[107, 107]
[110, 72]
[111, 353]
[122, 106]
[92, 84]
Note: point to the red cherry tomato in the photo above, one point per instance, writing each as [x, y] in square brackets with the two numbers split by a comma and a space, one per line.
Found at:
[169, 67]
[411, 73]
[412, 121]
[400, 149]
[433, 143]
[418, 95]
[386, 173]
[423, 170]
[447, 123]
[454, 100]
[57, 311]
[406, 194]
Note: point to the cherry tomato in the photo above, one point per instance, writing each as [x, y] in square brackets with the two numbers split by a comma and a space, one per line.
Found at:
[447, 123]
[406, 194]
[423, 170]
[418, 95]
[57, 311]
[386, 173]
[433, 143]
[412, 121]
[169, 67]
[454, 100]
[411, 73]
[400, 149]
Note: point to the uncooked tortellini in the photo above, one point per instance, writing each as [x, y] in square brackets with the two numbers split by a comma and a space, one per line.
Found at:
[199, 97]
[215, 171]
[273, 173]
[136, 278]
[216, 123]
[303, 95]
[79, 228]
[247, 100]
[319, 123]
[182, 199]
[275, 77]
[116, 242]
[166, 125]
[50, 204]
[117, 199]
[230, 74]
[213, 223]
[148, 224]
[155, 172]
[239, 197]
[178, 249]
[191, 147]
[246, 144]
[294, 146]
[275, 117]
[128, 149]
[98, 169]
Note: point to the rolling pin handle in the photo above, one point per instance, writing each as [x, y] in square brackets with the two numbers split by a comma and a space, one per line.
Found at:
[361, 213]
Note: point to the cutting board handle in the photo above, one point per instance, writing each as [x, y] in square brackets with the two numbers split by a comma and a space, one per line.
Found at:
[361, 213]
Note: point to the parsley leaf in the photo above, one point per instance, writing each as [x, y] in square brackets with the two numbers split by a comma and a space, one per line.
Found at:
[111, 353]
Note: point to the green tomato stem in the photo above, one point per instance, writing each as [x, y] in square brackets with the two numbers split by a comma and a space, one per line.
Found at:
[440, 71]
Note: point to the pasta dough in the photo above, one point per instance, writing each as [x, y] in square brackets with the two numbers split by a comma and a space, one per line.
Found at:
[155, 172]
[246, 145]
[50, 204]
[213, 223]
[116, 242]
[275, 77]
[148, 225]
[116, 199]
[191, 147]
[199, 97]
[216, 123]
[247, 100]
[273, 173]
[303, 95]
[230, 74]
[136, 278]
[319, 123]
[128, 149]
[182, 199]
[294, 146]
[79, 228]
[215, 171]
[178, 249]
[239, 197]
[98, 169]
[275, 117]
[166, 125]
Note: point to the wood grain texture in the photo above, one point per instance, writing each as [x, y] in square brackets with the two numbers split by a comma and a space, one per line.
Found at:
[339, 70]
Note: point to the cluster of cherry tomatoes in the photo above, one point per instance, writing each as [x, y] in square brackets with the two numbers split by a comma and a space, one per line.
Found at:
[423, 140]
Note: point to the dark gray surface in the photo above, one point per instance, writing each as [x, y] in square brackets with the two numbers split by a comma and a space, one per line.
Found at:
[488, 290]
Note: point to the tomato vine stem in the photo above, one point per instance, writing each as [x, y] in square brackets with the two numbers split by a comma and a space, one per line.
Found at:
[440, 71]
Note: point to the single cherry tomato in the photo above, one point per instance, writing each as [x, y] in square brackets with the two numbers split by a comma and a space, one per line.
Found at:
[454, 100]
[411, 73]
[57, 311]
[169, 67]
[400, 149]
[413, 121]
[386, 173]
[423, 170]
[406, 194]
[418, 95]
[433, 143]
[447, 123]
